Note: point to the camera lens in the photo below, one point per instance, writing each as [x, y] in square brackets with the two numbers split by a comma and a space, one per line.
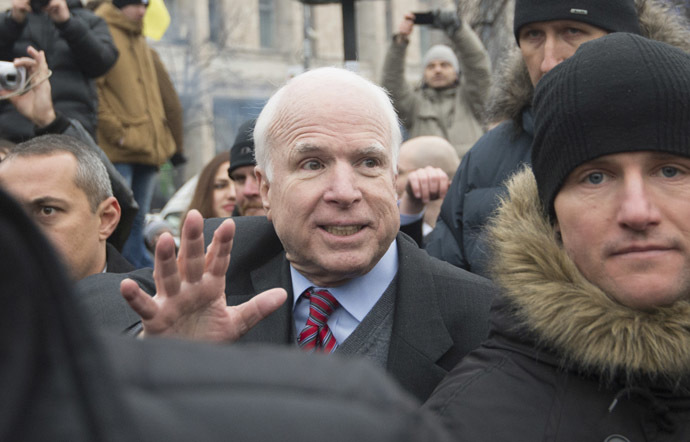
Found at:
[8, 81]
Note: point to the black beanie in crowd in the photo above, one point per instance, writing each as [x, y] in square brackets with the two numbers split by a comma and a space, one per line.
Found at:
[122, 3]
[609, 15]
[618, 93]
[242, 152]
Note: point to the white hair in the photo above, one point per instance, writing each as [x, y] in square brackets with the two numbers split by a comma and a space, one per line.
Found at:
[264, 133]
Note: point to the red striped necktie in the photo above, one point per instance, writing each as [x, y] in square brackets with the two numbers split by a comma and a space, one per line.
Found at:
[316, 336]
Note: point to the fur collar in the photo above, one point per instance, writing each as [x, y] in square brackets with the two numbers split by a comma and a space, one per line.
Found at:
[512, 89]
[569, 314]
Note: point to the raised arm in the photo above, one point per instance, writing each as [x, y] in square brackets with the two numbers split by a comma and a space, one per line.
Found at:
[394, 71]
[476, 67]
[89, 39]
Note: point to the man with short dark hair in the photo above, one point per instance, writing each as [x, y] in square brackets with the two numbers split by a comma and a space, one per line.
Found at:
[241, 172]
[591, 339]
[65, 188]
[36, 105]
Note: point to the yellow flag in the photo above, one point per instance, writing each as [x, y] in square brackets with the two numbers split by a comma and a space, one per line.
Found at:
[156, 20]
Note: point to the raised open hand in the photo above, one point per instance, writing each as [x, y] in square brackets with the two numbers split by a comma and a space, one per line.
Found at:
[190, 299]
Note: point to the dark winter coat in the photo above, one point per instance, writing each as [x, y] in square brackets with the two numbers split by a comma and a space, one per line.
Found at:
[474, 192]
[565, 362]
[478, 183]
[77, 52]
[440, 312]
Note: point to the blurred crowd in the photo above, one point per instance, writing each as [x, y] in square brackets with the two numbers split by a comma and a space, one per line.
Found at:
[488, 253]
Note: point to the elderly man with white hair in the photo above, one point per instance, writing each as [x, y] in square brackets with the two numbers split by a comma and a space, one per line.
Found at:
[326, 269]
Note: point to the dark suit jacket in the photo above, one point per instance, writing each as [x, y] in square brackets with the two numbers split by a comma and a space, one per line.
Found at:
[441, 312]
[115, 261]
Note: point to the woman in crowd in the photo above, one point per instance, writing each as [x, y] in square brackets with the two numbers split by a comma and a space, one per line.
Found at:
[215, 195]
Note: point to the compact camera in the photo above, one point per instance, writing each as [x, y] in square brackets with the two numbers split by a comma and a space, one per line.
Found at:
[11, 77]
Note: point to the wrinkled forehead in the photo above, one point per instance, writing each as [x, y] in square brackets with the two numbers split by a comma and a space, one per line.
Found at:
[336, 108]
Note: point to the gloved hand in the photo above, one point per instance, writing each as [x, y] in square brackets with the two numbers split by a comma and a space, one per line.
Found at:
[177, 159]
[446, 19]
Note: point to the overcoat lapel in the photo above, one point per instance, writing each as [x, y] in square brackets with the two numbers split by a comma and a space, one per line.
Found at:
[420, 337]
[278, 328]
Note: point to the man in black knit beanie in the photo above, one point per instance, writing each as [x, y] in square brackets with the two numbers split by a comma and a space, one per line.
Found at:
[547, 32]
[591, 339]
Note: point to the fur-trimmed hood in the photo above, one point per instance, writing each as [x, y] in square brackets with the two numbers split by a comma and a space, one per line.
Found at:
[570, 315]
[512, 88]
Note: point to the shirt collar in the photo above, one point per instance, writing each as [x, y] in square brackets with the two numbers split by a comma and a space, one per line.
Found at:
[359, 295]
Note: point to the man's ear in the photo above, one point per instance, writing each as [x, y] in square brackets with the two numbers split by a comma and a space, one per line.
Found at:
[109, 213]
[264, 189]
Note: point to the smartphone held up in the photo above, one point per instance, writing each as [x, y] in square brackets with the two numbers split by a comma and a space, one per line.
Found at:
[423, 18]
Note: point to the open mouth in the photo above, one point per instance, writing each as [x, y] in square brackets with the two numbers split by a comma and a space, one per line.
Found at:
[342, 230]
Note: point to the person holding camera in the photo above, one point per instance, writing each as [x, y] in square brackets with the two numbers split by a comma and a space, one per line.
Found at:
[449, 101]
[78, 48]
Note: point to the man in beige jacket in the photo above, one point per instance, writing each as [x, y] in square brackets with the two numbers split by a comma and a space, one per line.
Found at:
[140, 116]
[449, 101]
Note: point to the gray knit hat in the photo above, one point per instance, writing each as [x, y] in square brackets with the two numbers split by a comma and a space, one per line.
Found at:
[618, 93]
[441, 52]
[610, 15]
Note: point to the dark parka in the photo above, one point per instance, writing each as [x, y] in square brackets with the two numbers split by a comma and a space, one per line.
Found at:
[77, 52]
[140, 116]
[565, 362]
[458, 237]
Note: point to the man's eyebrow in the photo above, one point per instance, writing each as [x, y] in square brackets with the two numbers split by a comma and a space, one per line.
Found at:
[376, 148]
[46, 200]
[302, 148]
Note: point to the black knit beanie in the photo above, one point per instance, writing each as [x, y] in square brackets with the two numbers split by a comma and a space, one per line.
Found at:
[122, 3]
[618, 93]
[610, 15]
[242, 152]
